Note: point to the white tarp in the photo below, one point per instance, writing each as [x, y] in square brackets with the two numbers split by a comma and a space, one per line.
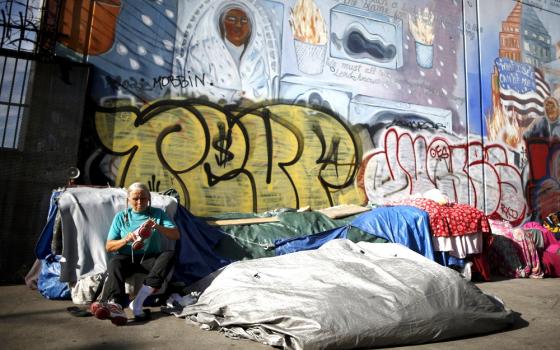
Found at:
[342, 296]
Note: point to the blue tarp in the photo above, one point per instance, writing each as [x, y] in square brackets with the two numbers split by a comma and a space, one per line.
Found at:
[48, 283]
[309, 242]
[43, 246]
[406, 225]
[195, 249]
[448, 260]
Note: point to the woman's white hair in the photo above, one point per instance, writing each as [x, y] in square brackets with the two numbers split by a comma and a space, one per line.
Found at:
[138, 186]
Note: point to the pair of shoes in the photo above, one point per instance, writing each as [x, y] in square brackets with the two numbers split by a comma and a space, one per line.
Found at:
[110, 310]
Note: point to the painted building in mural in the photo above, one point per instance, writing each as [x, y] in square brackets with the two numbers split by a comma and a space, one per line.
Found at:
[252, 105]
[524, 38]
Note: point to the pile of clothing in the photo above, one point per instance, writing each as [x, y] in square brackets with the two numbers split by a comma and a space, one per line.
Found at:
[530, 250]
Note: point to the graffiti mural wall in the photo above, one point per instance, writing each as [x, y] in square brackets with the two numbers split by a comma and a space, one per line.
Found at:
[252, 105]
[520, 75]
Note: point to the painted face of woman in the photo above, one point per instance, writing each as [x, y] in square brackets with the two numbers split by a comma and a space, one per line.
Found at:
[237, 27]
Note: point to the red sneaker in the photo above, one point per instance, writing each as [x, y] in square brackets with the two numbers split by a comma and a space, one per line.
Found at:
[110, 310]
[141, 233]
[145, 230]
[100, 310]
[117, 314]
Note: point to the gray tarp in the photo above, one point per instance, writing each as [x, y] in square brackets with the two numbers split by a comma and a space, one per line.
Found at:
[345, 295]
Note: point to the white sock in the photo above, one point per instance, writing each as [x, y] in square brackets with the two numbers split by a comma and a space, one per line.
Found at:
[138, 302]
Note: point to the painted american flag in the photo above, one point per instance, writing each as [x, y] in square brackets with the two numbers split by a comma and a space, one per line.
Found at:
[522, 86]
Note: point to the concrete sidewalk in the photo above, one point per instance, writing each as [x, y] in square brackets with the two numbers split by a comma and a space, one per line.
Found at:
[31, 322]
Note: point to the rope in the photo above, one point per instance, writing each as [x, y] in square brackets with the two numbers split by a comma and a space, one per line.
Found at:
[266, 246]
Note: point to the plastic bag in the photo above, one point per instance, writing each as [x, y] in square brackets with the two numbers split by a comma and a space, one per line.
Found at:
[49, 284]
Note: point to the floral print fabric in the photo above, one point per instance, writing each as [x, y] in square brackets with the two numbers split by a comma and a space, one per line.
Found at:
[451, 219]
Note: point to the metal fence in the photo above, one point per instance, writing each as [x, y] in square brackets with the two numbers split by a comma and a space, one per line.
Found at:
[20, 26]
[14, 83]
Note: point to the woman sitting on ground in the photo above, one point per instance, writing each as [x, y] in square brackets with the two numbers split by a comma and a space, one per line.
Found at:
[135, 238]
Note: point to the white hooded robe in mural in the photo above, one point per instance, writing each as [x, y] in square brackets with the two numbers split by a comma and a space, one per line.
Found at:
[222, 74]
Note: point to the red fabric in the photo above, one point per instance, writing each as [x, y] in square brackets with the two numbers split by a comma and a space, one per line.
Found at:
[550, 255]
[451, 219]
[551, 264]
[480, 266]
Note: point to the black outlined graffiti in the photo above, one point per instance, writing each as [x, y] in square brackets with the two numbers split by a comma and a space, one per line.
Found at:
[259, 158]
[221, 143]
[153, 185]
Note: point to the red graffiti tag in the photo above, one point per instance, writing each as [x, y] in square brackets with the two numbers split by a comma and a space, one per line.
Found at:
[478, 174]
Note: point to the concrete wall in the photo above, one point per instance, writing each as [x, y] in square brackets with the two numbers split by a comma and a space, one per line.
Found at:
[51, 133]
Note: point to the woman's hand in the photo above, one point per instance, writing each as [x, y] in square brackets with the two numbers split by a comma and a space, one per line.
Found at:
[116, 244]
[171, 233]
[129, 237]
